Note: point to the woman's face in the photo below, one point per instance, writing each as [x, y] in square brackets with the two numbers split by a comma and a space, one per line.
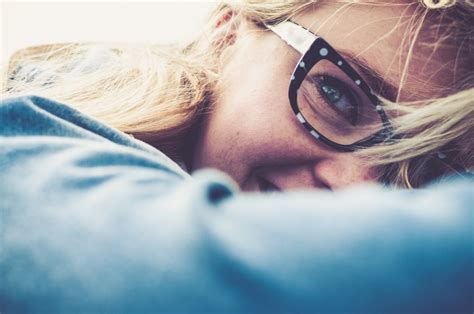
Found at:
[252, 133]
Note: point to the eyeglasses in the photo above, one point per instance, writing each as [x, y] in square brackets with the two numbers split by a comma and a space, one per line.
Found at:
[332, 101]
[328, 97]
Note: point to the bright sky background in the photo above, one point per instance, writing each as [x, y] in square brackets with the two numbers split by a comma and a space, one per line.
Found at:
[27, 23]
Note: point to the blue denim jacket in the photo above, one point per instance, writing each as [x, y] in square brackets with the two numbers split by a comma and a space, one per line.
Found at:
[95, 221]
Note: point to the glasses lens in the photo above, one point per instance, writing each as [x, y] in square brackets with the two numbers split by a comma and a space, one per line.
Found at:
[333, 104]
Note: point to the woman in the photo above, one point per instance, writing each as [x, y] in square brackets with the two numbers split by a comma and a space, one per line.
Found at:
[279, 96]
[417, 56]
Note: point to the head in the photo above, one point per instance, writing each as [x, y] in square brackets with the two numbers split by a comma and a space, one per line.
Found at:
[223, 101]
[253, 134]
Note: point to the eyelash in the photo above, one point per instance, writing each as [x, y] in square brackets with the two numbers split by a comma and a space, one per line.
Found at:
[343, 85]
[342, 82]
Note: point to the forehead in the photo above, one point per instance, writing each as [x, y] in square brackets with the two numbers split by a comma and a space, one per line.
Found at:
[381, 34]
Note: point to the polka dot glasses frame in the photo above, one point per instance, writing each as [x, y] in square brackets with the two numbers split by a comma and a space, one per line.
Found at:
[329, 98]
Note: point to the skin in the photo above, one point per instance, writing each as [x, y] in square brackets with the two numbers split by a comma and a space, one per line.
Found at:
[252, 133]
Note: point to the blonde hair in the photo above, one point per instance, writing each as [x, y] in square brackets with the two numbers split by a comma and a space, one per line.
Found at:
[159, 94]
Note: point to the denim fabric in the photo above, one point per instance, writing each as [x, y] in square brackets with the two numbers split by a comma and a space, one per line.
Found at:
[95, 221]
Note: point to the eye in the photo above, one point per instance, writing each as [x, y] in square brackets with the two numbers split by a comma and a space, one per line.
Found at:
[338, 97]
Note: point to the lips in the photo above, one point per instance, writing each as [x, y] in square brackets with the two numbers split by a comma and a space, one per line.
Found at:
[266, 186]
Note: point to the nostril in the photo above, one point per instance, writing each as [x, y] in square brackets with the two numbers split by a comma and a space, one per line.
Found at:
[267, 186]
[324, 185]
[320, 182]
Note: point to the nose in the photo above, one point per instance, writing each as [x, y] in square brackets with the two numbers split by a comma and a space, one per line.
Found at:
[344, 169]
[338, 171]
[290, 177]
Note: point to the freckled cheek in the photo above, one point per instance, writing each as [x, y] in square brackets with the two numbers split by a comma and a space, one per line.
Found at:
[363, 171]
[251, 118]
[269, 128]
[242, 141]
[370, 175]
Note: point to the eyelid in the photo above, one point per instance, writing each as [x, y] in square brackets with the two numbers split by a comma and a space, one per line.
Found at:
[347, 89]
[355, 98]
[357, 94]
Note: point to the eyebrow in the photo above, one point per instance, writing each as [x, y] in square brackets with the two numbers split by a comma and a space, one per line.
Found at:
[374, 78]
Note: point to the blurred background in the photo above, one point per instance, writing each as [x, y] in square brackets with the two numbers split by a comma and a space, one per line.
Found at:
[28, 23]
